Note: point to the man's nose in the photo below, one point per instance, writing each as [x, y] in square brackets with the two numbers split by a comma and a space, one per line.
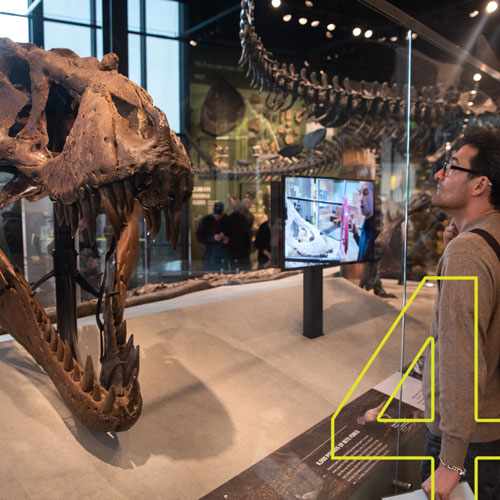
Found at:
[439, 174]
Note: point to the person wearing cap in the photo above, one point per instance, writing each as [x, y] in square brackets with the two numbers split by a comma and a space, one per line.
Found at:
[210, 233]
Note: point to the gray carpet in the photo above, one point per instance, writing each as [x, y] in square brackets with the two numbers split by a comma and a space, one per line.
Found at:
[226, 378]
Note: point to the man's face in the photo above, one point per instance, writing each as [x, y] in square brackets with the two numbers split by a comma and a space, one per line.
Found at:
[366, 199]
[452, 190]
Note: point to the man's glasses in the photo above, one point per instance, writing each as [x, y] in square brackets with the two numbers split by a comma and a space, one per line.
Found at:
[447, 167]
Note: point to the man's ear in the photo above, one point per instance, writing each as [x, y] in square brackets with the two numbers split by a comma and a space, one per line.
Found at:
[480, 185]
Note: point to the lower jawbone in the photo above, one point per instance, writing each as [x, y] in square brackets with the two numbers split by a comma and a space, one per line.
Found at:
[113, 403]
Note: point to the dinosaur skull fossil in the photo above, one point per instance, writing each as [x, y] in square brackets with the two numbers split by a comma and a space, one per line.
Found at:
[78, 131]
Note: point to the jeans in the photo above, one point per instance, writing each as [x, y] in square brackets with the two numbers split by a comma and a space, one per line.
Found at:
[489, 470]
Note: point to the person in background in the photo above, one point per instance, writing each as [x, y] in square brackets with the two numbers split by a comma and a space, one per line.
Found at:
[239, 231]
[263, 240]
[211, 233]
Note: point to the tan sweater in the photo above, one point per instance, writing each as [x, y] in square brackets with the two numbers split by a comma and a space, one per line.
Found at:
[453, 328]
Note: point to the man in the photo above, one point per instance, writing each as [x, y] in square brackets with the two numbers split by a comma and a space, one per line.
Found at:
[366, 237]
[210, 232]
[468, 188]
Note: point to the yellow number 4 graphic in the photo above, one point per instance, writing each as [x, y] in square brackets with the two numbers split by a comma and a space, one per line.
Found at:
[428, 342]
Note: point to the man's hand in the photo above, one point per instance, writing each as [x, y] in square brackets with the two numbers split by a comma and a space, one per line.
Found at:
[450, 232]
[218, 236]
[446, 481]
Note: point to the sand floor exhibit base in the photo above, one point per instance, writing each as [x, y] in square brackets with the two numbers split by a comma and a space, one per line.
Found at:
[227, 378]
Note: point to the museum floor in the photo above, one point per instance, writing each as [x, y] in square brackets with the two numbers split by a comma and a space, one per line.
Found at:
[226, 377]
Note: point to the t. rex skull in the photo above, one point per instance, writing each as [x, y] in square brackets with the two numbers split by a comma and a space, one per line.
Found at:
[78, 131]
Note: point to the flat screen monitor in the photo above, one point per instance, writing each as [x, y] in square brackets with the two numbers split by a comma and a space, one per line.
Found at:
[327, 221]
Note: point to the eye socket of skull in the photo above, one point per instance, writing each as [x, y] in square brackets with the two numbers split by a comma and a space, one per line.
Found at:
[61, 111]
[139, 121]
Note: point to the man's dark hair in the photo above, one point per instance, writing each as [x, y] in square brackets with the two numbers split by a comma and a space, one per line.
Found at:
[487, 160]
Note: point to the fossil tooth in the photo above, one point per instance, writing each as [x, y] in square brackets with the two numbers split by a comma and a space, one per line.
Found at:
[110, 210]
[87, 382]
[129, 194]
[147, 218]
[68, 358]
[77, 374]
[168, 230]
[155, 214]
[134, 393]
[96, 393]
[135, 373]
[176, 228]
[125, 352]
[119, 195]
[95, 202]
[60, 350]
[67, 215]
[53, 340]
[121, 334]
[109, 400]
[59, 211]
[89, 219]
[132, 365]
[46, 330]
[74, 218]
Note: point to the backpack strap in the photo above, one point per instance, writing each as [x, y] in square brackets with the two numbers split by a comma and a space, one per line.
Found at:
[492, 242]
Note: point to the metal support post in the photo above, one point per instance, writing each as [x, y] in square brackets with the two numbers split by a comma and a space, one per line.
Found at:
[313, 302]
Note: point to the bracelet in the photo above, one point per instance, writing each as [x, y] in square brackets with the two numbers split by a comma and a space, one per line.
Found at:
[460, 470]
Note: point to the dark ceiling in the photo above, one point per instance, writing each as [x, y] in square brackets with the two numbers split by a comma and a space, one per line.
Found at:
[358, 58]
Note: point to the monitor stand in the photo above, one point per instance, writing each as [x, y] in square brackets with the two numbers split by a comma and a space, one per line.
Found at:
[313, 302]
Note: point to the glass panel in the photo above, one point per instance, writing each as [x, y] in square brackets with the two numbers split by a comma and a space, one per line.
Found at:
[76, 38]
[162, 17]
[73, 10]
[38, 220]
[134, 58]
[18, 7]
[98, 13]
[163, 77]
[15, 28]
[133, 13]
[99, 43]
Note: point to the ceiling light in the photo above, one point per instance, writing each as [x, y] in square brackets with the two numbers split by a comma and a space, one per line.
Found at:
[276, 3]
[314, 24]
[381, 39]
[303, 20]
[473, 92]
[329, 35]
[491, 7]
[193, 43]
[287, 17]
[474, 13]
[328, 58]
[368, 33]
[448, 146]
[356, 31]
[414, 36]
[470, 103]
[330, 27]
[477, 77]
[308, 3]
[394, 38]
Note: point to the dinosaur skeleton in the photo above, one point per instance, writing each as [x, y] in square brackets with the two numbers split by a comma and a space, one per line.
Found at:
[364, 111]
[76, 130]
